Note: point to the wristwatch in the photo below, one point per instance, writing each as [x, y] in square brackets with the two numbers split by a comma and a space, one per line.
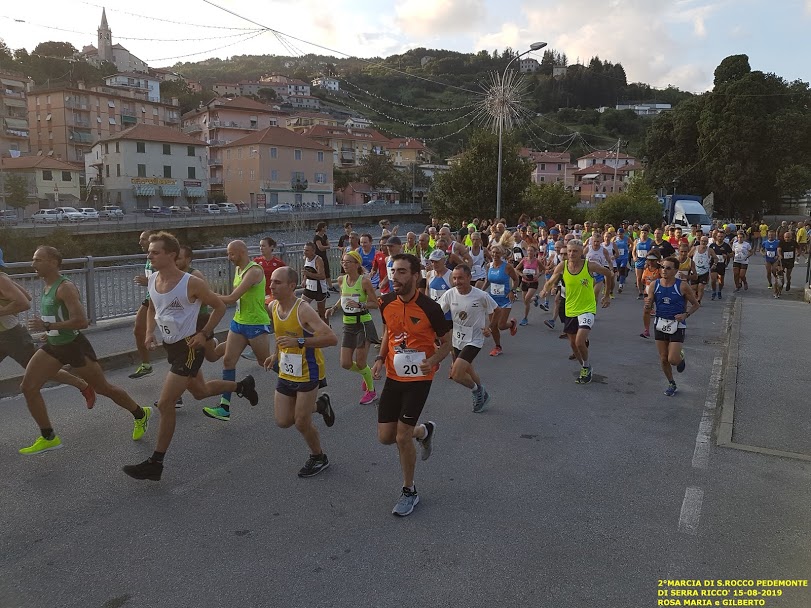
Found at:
[47, 325]
[207, 336]
[301, 342]
[379, 358]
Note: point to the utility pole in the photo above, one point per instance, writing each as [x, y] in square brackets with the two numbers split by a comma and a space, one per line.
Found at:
[616, 164]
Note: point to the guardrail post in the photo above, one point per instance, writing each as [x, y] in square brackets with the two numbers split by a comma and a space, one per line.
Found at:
[90, 290]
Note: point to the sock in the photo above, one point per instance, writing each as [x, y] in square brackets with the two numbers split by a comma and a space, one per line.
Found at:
[354, 368]
[366, 372]
[157, 457]
[412, 488]
[47, 433]
[225, 399]
[475, 387]
[139, 413]
[586, 363]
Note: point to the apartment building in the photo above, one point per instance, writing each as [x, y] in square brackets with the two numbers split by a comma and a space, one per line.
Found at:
[605, 157]
[277, 165]
[141, 84]
[299, 121]
[285, 87]
[51, 182]
[528, 65]
[348, 146]
[594, 183]
[325, 82]
[148, 165]
[222, 121]
[405, 151]
[553, 168]
[65, 120]
[13, 114]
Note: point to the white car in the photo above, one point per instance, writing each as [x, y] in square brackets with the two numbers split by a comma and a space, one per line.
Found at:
[111, 212]
[46, 216]
[228, 207]
[70, 214]
[89, 213]
[280, 208]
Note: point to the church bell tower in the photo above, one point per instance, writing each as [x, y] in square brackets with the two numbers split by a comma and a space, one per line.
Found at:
[105, 45]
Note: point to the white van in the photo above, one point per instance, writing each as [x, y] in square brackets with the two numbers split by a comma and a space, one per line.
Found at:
[228, 208]
[207, 208]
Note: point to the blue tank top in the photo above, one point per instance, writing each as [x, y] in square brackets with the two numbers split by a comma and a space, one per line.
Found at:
[438, 286]
[770, 249]
[642, 250]
[499, 282]
[550, 244]
[622, 248]
[367, 259]
[669, 300]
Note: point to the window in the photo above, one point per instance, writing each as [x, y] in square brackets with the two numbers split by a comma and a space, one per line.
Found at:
[118, 170]
[189, 150]
[140, 147]
[112, 121]
[320, 156]
[117, 148]
[167, 149]
[98, 119]
[320, 178]
[192, 174]
[239, 153]
[297, 176]
[167, 171]
[274, 176]
[106, 148]
[297, 154]
[273, 153]
[154, 111]
[543, 166]
[47, 176]
[228, 154]
[320, 199]
[111, 104]
[241, 175]
[543, 178]
[274, 198]
[560, 167]
[107, 170]
[48, 100]
[141, 170]
[253, 175]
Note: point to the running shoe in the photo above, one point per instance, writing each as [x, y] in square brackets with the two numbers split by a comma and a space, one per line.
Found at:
[619, 289]
[314, 465]
[719, 296]
[671, 389]
[550, 323]
[513, 327]
[148, 469]
[142, 424]
[611, 296]
[408, 500]
[524, 322]
[143, 370]
[246, 388]
[218, 413]
[89, 396]
[746, 286]
[496, 351]
[536, 299]
[477, 397]
[484, 401]
[585, 376]
[682, 364]
[324, 407]
[563, 336]
[645, 334]
[368, 397]
[545, 306]
[788, 287]
[248, 354]
[737, 289]
[640, 296]
[42, 445]
[713, 296]
[427, 442]
[770, 286]
[572, 357]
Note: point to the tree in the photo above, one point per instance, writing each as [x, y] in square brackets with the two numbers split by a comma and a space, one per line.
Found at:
[637, 203]
[16, 190]
[376, 169]
[266, 94]
[794, 180]
[550, 200]
[468, 189]
[55, 49]
[405, 180]
[731, 69]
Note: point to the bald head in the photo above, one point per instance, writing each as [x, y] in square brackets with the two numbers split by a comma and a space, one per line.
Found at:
[238, 253]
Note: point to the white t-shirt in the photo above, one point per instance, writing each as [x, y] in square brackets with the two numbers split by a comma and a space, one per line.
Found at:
[469, 313]
[598, 256]
[741, 252]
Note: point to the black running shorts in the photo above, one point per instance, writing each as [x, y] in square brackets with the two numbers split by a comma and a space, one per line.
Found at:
[72, 353]
[661, 336]
[402, 401]
[17, 344]
[184, 361]
[468, 353]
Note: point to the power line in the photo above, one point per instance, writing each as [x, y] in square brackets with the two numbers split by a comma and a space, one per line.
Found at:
[213, 27]
[405, 122]
[249, 37]
[405, 105]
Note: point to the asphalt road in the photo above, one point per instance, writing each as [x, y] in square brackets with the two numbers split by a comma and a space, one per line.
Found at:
[560, 495]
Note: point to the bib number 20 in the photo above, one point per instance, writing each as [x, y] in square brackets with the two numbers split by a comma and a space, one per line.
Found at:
[411, 369]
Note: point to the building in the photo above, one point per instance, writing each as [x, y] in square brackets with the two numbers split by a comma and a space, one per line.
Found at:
[231, 89]
[559, 71]
[277, 165]
[349, 146]
[594, 183]
[300, 121]
[222, 121]
[306, 102]
[645, 109]
[605, 157]
[66, 120]
[528, 65]
[147, 165]
[137, 82]
[14, 114]
[285, 87]
[360, 193]
[406, 151]
[553, 168]
[325, 82]
[116, 54]
[51, 182]
[164, 74]
[358, 122]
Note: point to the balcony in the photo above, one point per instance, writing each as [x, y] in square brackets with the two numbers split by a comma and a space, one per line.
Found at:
[10, 93]
[173, 119]
[217, 142]
[191, 129]
[214, 162]
[215, 181]
[19, 133]
[76, 105]
[80, 122]
[230, 124]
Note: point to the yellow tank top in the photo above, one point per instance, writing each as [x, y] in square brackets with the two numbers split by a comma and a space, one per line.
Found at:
[296, 364]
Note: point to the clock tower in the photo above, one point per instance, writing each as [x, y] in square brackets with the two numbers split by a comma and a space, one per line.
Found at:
[105, 44]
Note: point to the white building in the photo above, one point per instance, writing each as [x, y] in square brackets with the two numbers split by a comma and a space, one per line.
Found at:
[529, 65]
[138, 82]
[148, 165]
[325, 82]
[641, 109]
[357, 122]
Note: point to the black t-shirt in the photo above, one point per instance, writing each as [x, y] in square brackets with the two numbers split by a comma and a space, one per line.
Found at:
[789, 247]
[343, 241]
[665, 248]
[721, 251]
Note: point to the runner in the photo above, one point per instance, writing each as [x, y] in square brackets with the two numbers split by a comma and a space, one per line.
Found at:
[249, 325]
[367, 254]
[669, 295]
[139, 331]
[622, 245]
[410, 246]
[269, 262]
[501, 279]
[598, 254]
[175, 300]
[723, 252]
[649, 275]
[786, 253]
[741, 251]
[581, 304]
[16, 342]
[62, 317]
[343, 242]
[769, 247]
[184, 261]
[393, 246]
[553, 258]
[664, 247]
[321, 242]
[314, 282]
[379, 272]
[300, 336]
[480, 257]
[687, 269]
[529, 270]
[413, 322]
[357, 297]
[472, 311]
[703, 260]
[642, 246]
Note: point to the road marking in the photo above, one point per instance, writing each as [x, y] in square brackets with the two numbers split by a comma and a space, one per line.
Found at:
[691, 510]
[701, 452]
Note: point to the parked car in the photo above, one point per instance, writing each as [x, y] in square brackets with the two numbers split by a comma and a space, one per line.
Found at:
[228, 208]
[280, 208]
[178, 210]
[376, 201]
[243, 207]
[70, 214]
[46, 216]
[112, 212]
[8, 217]
[89, 213]
[207, 208]
[154, 211]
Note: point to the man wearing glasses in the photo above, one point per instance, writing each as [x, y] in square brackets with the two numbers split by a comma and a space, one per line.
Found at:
[670, 296]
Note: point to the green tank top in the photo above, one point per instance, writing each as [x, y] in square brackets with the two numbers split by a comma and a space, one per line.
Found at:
[204, 310]
[251, 308]
[52, 309]
[580, 297]
[354, 293]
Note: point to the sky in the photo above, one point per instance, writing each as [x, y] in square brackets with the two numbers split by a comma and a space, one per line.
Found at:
[659, 42]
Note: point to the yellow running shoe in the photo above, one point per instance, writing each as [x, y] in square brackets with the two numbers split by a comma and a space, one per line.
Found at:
[141, 425]
[42, 445]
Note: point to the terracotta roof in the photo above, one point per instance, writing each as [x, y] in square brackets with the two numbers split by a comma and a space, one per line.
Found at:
[406, 143]
[278, 136]
[321, 115]
[38, 162]
[604, 154]
[166, 135]
[361, 187]
[551, 157]
[297, 82]
[346, 133]
[599, 168]
[245, 103]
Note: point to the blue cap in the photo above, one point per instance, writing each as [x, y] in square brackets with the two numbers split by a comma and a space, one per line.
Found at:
[554, 231]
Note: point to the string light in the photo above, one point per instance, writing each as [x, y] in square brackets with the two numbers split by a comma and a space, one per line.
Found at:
[405, 122]
[249, 37]
[213, 27]
[405, 105]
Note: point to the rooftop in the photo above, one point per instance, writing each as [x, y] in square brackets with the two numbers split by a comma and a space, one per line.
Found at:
[605, 154]
[143, 132]
[38, 162]
[278, 136]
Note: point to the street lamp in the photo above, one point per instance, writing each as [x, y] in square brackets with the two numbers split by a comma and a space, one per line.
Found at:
[535, 46]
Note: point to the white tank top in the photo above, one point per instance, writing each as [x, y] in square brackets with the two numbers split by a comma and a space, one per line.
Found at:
[477, 269]
[702, 261]
[175, 315]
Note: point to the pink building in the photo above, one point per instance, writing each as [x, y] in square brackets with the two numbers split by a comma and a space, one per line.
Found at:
[359, 193]
[553, 168]
[594, 183]
[605, 157]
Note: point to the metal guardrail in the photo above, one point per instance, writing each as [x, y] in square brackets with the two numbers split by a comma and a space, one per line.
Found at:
[107, 287]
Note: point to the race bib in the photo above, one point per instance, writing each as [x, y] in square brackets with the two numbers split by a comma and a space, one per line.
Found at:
[407, 364]
[436, 293]
[311, 285]
[586, 320]
[51, 319]
[517, 256]
[621, 252]
[167, 328]
[462, 336]
[771, 254]
[390, 272]
[350, 304]
[291, 364]
[666, 326]
[529, 272]
[788, 255]
[641, 253]
[496, 289]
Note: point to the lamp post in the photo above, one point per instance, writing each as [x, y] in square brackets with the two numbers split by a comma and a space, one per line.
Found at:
[535, 46]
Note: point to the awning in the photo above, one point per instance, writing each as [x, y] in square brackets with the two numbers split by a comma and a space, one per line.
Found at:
[591, 175]
[170, 191]
[11, 83]
[81, 137]
[16, 123]
[195, 192]
[144, 190]
[15, 103]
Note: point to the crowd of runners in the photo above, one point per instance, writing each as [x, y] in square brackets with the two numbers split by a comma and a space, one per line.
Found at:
[438, 293]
